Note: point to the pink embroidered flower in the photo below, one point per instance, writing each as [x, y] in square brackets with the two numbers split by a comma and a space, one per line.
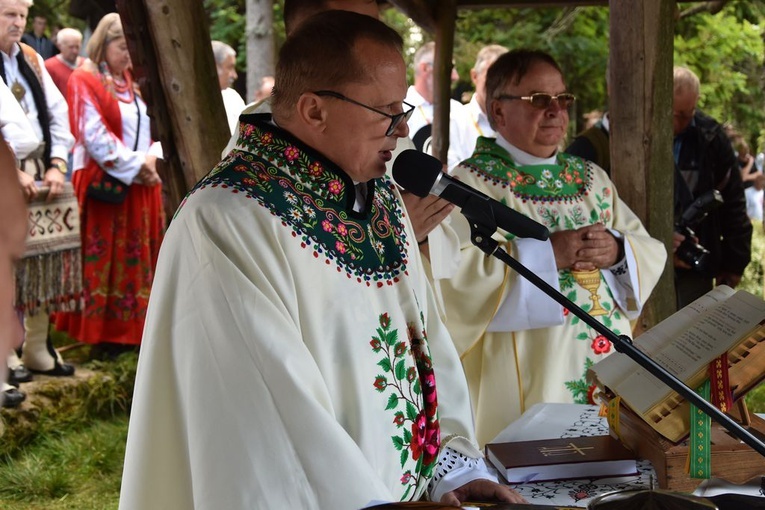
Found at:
[411, 373]
[291, 153]
[240, 168]
[342, 230]
[568, 177]
[340, 246]
[601, 345]
[578, 180]
[407, 478]
[266, 138]
[326, 225]
[607, 192]
[249, 181]
[335, 187]
[380, 383]
[315, 169]
[248, 129]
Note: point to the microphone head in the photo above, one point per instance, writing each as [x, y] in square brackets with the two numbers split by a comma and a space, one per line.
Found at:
[416, 171]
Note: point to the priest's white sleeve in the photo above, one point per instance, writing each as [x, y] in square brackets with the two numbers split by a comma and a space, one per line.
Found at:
[526, 306]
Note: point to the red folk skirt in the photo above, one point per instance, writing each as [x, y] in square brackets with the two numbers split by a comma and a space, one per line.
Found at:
[120, 245]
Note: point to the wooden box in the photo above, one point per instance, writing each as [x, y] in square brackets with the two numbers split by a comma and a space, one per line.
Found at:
[732, 460]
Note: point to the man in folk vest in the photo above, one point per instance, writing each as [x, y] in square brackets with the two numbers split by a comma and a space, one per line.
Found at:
[23, 70]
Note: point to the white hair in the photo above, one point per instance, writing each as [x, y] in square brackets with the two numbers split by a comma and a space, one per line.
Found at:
[221, 51]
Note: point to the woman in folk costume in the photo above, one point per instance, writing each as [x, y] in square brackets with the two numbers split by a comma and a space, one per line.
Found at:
[518, 346]
[119, 192]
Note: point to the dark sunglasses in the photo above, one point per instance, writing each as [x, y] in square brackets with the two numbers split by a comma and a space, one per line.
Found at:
[543, 101]
[395, 119]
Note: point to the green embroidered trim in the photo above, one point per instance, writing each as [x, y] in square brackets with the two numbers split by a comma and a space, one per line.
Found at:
[699, 445]
[314, 198]
[566, 181]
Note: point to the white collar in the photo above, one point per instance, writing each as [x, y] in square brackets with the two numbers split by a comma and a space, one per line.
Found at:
[522, 157]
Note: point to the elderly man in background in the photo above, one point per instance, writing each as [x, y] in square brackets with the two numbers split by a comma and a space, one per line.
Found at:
[421, 94]
[60, 66]
[518, 346]
[704, 162]
[292, 266]
[225, 63]
[476, 121]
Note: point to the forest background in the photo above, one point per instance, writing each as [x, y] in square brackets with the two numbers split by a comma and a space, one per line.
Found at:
[722, 41]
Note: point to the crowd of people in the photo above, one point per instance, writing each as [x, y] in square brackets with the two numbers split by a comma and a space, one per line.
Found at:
[304, 308]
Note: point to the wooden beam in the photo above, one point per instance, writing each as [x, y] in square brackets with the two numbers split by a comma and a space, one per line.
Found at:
[169, 42]
[641, 125]
[446, 20]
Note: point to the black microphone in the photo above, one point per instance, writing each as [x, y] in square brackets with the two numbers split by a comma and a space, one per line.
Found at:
[421, 174]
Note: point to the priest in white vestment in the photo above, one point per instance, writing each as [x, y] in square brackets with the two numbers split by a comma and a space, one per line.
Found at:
[518, 346]
[293, 355]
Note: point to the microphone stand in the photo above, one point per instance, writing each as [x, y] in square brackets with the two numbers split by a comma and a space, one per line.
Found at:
[483, 226]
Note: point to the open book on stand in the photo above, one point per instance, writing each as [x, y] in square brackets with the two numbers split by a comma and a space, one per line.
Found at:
[561, 459]
[685, 344]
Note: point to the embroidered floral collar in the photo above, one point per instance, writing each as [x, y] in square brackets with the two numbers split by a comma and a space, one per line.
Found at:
[315, 199]
[568, 179]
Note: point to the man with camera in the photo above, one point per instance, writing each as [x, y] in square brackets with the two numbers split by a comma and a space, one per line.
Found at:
[705, 221]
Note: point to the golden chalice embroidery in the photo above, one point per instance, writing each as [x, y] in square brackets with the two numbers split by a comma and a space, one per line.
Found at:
[590, 281]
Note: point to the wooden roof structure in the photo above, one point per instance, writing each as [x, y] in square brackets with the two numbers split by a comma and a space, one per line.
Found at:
[170, 41]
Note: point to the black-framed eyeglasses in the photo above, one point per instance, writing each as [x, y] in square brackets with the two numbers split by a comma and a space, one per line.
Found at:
[542, 101]
[395, 119]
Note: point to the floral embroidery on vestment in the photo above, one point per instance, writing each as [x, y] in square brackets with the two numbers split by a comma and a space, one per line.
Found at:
[409, 382]
[314, 198]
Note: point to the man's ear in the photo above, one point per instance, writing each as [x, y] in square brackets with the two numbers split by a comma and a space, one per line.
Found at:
[495, 108]
[311, 110]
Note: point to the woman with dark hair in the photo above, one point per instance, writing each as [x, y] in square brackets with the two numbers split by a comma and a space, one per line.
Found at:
[119, 192]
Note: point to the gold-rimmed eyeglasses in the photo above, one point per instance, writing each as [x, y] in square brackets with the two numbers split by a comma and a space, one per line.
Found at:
[542, 101]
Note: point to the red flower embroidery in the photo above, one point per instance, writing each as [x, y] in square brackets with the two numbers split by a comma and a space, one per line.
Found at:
[267, 138]
[326, 225]
[399, 419]
[406, 478]
[426, 438]
[315, 169]
[384, 321]
[380, 383]
[340, 246]
[335, 187]
[601, 345]
[291, 153]
[376, 345]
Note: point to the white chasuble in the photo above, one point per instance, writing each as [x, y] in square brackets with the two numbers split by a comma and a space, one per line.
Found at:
[518, 346]
[286, 360]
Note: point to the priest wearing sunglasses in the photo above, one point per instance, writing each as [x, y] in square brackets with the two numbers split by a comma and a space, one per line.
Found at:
[518, 346]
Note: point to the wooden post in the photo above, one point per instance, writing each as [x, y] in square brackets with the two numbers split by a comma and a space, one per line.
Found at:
[169, 41]
[446, 17]
[641, 126]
